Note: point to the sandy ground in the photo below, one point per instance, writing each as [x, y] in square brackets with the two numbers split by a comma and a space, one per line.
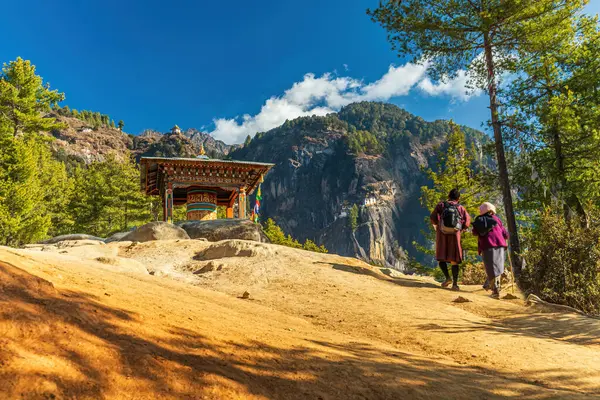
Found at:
[86, 322]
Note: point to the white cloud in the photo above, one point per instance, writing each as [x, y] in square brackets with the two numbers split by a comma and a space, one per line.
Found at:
[328, 93]
[457, 87]
[396, 82]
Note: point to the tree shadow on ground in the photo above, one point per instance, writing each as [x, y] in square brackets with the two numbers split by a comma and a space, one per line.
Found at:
[566, 327]
[102, 352]
[382, 277]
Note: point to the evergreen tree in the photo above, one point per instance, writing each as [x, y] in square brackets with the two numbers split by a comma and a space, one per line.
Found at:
[33, 190]
[33, 186]
[112, 123]
[24, 98]
[20, 193]
[556, 112]
[57, 189]
[353, 218]
[311, 246]
[480, 37]
[107, 198]
[455, 169]
[364, 142]
[277, 236]
[121, 125]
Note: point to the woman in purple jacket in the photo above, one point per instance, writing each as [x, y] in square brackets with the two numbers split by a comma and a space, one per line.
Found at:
[491, 247]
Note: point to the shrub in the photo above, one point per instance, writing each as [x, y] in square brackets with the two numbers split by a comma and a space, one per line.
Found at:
[563, 261]
[473, 273]
[312, 246]
[276, 236]
[424, 270]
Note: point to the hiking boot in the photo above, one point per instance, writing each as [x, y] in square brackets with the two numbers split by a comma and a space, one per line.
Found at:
[455, 288]
[495, 295]
[486, 285]
[446, 283]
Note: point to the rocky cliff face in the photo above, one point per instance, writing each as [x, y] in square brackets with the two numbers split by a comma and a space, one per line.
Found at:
[79, 142]
[318, 178]
[214, 148]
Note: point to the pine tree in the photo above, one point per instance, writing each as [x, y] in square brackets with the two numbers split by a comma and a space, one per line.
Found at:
[277, 236]
[273, 232]
[33, 186]
[482, 38]
[33, 190]
[353, 218]
[121, 125]
[112, 123]
[456, 169]
[107, 198]
[311, 246]
[24, 98]
[556, 112]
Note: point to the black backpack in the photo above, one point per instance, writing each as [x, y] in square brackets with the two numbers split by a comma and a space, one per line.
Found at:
[450, 219]
[484, 224]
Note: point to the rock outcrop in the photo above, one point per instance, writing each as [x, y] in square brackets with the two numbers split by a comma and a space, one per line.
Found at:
[75, 236]
[223, 229]
[236, 248]
[81, 141]
[116, 237]
[155, 231]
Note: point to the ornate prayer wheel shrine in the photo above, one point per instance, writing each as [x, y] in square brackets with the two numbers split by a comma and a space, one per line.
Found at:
[201, 183]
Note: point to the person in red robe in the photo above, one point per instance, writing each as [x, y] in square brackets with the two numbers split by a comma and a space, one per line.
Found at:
[447, 246]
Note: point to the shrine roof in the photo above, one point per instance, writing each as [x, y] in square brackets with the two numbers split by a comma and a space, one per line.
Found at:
[165, 160]
[228, 174]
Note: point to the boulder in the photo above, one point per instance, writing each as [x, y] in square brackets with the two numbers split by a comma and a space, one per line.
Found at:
[155, 231]
[78, 243]
[236, 248]
[224, 229]
[75, 236]
[117, 237]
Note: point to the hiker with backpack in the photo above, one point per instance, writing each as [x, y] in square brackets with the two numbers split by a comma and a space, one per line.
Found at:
[491, 245]
[449, 219]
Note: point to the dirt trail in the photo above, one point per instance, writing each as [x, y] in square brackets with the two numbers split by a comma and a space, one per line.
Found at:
[315, 326]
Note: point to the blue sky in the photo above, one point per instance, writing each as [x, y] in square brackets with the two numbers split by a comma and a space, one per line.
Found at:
[201, 64]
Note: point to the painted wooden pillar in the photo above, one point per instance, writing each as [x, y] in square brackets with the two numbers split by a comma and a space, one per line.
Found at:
[229, 209]
[168, 204]
[242, 203]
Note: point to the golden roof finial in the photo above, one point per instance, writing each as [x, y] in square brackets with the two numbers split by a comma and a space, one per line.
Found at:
[202, 152]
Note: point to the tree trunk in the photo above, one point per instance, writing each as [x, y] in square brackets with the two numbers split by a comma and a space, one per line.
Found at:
[515, 246]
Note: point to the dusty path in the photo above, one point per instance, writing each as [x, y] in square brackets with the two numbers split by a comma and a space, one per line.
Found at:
[314, 327]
